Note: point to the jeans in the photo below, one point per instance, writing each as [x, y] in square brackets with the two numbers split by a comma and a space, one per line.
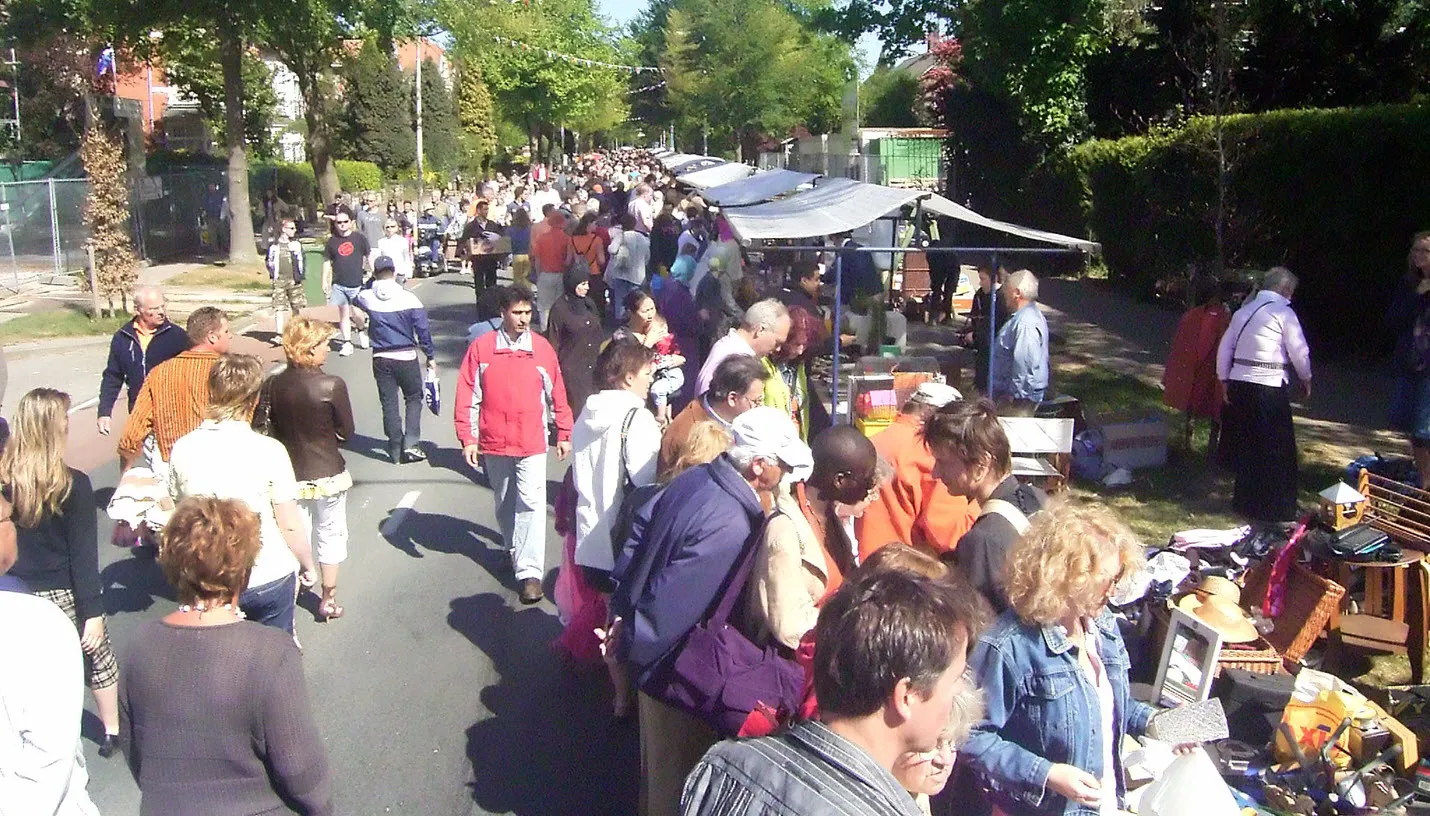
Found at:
[619, 290]
[271, 604]
[406, 375]
[549, 288]
[519, 488]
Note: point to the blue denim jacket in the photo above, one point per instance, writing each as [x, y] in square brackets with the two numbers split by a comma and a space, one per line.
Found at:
[1042, 710]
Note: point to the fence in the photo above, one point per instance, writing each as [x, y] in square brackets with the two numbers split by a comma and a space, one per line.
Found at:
[42, 231]
[43, 227]
[897, 162]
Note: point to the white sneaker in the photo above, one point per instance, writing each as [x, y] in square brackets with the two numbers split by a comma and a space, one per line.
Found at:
[362, 341]
[346, 350]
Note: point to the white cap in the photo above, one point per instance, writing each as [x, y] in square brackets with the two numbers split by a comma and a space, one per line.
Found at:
[936, 394]
[769, 432]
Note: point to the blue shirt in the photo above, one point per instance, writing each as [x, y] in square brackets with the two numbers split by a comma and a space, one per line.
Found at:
[1020, 357]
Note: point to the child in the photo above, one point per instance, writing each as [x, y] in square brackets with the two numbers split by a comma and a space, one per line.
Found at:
[285, 269]
[669, 378]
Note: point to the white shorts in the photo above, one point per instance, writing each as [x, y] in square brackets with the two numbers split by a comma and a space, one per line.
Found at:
[327, 520]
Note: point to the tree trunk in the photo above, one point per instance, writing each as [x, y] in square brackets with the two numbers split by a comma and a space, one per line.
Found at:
[319, 143]
[242, 249]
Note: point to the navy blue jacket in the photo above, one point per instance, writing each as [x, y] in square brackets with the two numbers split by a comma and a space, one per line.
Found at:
[697, 528]
[129, 363]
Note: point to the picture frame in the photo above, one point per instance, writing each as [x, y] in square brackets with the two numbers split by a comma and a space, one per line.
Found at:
[1188, 663]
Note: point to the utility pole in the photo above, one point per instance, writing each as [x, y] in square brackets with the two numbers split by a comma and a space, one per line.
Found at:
[420, 176]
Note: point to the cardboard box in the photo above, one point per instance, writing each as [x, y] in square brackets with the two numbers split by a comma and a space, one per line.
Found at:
[1137, 444]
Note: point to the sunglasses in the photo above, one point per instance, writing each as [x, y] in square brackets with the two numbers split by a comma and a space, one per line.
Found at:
[342, 221]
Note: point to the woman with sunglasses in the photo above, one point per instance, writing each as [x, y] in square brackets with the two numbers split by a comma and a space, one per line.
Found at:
[1053, 670]
[395, 245]
[805, 551]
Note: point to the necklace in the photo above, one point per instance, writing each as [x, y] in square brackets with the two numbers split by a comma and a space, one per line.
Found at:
[202, 607]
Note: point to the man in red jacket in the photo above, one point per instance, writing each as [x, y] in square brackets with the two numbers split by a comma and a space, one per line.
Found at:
[509, 392]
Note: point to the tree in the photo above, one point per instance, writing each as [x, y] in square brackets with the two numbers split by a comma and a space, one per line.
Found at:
[441, 132]
[106, 215]
[749, 69]
[477, 117]
[374, 91]
[307, 37]
[191, 64]
[890, 98]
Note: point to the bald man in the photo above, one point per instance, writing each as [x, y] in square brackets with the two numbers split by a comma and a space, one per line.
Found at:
[136, 349]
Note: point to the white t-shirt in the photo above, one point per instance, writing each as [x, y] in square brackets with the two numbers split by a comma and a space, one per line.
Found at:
[41, 700]
[396, 248]
[227, 459]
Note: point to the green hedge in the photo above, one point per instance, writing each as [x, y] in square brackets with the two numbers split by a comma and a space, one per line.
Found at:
[357, 176]
[1333, 194]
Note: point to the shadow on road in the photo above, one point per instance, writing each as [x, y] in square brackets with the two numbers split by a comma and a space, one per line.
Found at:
[549, 747]
[131, 584]
[420, 532]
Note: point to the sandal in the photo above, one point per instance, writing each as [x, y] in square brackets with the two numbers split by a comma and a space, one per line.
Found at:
[329, 609]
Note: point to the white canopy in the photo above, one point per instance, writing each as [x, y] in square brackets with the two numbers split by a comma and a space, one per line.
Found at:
[835, 205]
[693, 163]
[715, 175]
[757, 188]
[938, 204]
[672, 159]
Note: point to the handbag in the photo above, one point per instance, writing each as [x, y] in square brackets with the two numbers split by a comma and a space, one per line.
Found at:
[719, 676]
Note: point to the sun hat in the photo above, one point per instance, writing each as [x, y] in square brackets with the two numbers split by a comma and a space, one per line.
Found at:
[1215, 603]
[769, 432]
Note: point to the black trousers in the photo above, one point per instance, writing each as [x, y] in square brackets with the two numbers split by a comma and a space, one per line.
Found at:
[1258, 443]
[943, 281]
[393, 376]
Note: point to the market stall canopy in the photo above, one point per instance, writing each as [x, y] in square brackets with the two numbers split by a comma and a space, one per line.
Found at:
[938, 204]
[715, 175]
[758, 188]
[833, 206]
[672, 159]
[693, 163]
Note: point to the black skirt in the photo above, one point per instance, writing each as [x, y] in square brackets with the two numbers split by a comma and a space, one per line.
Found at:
[1258, 443]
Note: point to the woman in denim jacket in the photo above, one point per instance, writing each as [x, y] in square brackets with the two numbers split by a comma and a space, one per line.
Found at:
[1054, 671]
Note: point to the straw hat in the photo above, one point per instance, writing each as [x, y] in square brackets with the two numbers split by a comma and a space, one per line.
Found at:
[1222, 614]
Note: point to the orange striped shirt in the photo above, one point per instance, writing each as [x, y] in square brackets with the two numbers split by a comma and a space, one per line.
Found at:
[171, 403]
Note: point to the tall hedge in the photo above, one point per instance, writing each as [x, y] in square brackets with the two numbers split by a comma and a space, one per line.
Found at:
[358, 176]
[1333, 194]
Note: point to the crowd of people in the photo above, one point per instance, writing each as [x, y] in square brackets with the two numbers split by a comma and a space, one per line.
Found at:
[801, 619]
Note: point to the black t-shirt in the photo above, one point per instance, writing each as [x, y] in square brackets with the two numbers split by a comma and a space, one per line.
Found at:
[983, 550]
[347, 254]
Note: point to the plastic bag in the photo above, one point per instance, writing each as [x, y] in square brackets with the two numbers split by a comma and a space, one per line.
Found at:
[1318, 706]
[432, 391]
[1190, 786]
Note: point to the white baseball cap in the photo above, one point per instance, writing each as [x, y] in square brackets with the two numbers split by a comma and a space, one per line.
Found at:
[936, 394]
[769, 432]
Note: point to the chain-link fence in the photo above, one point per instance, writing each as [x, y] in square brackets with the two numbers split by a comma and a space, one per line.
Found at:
[42, 231]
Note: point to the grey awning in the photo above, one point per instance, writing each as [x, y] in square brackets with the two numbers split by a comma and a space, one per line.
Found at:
[757, 188]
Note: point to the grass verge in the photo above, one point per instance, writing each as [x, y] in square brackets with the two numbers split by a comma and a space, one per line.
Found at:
[66, 321]
[1189, 492]
[220, 277]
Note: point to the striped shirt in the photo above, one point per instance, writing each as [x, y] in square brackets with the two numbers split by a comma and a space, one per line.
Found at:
[805, 771]
[171, 403]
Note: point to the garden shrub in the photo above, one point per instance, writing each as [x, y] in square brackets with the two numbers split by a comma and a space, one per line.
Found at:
[358, 176]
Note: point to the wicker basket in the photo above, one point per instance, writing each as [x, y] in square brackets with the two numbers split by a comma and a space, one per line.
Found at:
[1258, 657]
[1310, 602]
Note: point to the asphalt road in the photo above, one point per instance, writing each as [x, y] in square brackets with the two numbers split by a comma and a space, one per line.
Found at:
[438, 692]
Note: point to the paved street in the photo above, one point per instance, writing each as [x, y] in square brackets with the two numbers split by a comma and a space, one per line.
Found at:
[437, 693]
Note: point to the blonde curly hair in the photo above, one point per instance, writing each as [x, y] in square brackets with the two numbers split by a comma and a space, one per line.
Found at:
[1062, 564]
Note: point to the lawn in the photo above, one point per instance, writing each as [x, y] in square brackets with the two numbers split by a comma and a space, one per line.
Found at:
[222, 277]
[1189, 492]
[67, 321]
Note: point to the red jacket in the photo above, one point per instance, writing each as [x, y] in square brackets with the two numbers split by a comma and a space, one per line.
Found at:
[508, 394]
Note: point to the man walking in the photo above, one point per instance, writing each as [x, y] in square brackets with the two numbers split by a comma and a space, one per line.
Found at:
[370, 223]
[346, 264]
[477, 238]
[136, 349]
[397, 324]
[175, 396]
[1020, 355]
[285, 269]
[552, 251]
[509, 391]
